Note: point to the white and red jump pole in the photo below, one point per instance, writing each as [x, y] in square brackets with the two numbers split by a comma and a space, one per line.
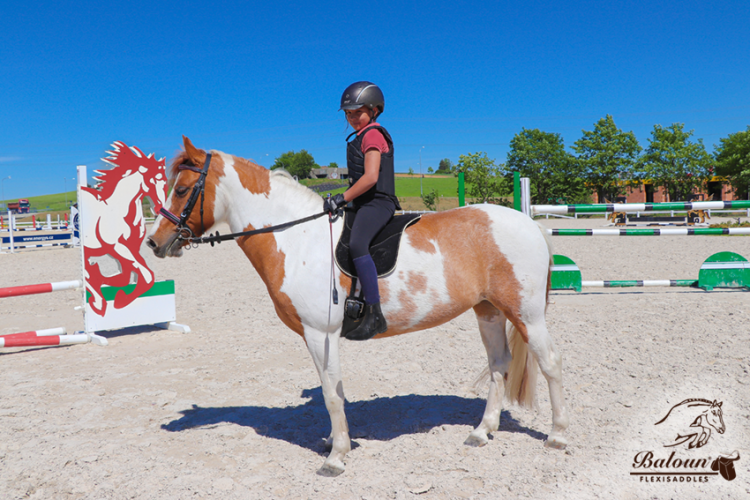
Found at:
[51, 336]
[15, 291]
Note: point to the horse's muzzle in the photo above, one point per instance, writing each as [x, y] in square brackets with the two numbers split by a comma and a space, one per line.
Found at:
[170, 248]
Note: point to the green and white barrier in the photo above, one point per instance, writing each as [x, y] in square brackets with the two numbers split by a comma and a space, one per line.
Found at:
[668, 231]
[155, 307]
[721, 270]
[680, 206]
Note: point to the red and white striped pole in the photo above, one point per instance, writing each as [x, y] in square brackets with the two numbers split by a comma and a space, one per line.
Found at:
[51, 336]
[15, 291]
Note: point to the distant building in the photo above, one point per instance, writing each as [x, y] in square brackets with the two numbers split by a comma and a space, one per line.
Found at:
[329, 173]
[717, 189]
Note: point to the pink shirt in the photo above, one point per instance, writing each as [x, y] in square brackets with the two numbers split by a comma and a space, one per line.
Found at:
[374, 140]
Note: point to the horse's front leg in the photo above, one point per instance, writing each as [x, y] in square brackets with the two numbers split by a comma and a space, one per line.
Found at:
[324, 349]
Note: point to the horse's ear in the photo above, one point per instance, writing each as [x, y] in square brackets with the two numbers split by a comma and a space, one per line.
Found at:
[197, 156]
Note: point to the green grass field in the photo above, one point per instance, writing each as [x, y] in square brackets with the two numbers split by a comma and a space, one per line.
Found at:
[409, 186]
[48, 202]
[406, 187]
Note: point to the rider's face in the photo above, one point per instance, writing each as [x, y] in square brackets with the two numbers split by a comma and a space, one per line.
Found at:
[358, 118]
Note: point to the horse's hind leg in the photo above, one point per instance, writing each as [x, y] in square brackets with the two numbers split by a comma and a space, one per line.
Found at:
[550, 363]
[492, 327]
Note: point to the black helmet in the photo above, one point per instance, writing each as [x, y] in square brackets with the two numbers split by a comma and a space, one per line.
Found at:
[361, 94]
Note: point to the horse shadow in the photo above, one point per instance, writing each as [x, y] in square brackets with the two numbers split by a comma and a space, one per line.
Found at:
[382, 418]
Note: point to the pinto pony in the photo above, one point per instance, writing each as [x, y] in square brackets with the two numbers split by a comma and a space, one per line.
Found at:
[486, 257]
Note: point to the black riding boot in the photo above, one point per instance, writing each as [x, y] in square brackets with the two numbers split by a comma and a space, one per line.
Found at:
[372, 324]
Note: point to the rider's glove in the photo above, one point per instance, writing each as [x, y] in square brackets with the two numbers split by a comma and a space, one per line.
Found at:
[334, 204]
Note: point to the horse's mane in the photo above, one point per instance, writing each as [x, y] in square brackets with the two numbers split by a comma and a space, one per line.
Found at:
[284, 177]
[700, 402]
[287, 178]
[278, 174]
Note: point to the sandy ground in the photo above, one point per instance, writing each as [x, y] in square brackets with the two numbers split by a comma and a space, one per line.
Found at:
[234, 408]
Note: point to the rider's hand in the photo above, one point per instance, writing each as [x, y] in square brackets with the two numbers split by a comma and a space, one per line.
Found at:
[334, 204]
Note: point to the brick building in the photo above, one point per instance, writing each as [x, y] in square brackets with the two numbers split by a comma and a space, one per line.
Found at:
[646, 192]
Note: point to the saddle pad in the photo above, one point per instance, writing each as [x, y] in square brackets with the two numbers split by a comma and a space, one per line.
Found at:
[384, 248]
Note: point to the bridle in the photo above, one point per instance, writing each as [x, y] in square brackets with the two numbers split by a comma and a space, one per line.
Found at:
[186, 234]
[199, 188]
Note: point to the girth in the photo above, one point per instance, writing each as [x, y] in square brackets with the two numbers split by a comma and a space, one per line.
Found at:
[384, 248]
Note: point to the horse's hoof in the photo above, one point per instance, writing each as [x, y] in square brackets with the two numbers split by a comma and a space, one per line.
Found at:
[558, 443]
[476, 440]
[331, 470]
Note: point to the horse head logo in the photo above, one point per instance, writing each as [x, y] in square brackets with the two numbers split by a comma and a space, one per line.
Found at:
[114, 225]
[702, 416]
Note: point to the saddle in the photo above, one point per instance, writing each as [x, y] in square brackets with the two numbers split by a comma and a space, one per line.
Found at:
[384, 251]
[384, 248]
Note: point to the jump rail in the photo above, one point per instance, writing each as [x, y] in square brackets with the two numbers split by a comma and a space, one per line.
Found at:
[638, 207]
[16, 291]
[721, 270]
[669, 231]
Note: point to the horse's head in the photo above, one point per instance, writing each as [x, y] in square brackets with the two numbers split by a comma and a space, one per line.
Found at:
[715, 417]
[185, 172]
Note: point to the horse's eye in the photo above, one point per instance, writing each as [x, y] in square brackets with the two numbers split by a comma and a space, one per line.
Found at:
[181, 191]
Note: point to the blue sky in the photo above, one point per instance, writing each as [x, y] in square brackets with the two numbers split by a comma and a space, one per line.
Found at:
[257, 79]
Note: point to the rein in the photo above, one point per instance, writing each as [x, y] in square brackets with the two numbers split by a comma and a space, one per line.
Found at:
[185, 234]
[218, 238]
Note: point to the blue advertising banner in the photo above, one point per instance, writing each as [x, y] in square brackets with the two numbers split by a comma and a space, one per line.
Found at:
[37, 238]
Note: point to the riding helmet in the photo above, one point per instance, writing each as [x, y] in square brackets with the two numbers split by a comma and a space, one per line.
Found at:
[361, 94]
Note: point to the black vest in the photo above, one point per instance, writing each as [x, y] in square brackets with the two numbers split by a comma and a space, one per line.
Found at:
[355, 162]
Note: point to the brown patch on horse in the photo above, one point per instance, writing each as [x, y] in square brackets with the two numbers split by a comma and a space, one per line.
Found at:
[385, 291]
[416, 283]
[253, 177]
[268, 260]
[474, 269]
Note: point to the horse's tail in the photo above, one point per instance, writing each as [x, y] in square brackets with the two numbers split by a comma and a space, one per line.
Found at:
[551, 262]
[520, 385]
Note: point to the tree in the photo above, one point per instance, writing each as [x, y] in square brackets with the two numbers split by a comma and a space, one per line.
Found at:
[733, 161]
[298, 164]
[673, 161]
[333, 164]
[430, 199]
[430, 170]
[607, 157]
[445, 166]
[554, 173]
[482, 177]
[411, 171]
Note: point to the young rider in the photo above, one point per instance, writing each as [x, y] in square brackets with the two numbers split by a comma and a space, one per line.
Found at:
[372, 191]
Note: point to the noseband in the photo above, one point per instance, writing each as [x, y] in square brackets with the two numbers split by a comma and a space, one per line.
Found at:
[181, 222]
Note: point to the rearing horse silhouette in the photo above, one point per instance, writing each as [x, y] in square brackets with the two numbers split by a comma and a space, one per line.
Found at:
[709, 415]
[486, 257]
[114, 225]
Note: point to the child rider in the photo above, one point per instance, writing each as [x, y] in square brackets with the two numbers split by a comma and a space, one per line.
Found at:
[372, 191]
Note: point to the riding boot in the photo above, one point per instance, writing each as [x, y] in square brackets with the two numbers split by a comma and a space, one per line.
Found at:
[372, 324]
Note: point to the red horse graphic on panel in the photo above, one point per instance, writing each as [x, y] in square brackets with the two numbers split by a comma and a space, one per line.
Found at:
[114, 223]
